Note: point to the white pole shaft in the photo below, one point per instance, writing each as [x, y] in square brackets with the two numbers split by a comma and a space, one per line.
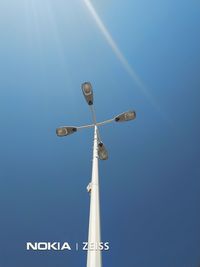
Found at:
[94, 234]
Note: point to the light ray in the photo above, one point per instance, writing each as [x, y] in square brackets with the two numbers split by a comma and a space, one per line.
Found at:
[117, 51]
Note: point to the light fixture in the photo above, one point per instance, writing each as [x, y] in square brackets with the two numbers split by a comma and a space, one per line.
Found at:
[126, 116]
[66, 130]
[88, 92]
[99, 152]
[102, 152]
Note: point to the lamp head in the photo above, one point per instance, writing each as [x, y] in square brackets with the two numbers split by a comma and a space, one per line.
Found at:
[102, 152]
[126, 116]
[66, 130]
[87, 92]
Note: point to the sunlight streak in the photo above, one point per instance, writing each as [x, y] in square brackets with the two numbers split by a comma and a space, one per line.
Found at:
[117, 51]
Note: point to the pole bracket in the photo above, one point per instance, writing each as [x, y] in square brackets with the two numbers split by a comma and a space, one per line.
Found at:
[89, 187]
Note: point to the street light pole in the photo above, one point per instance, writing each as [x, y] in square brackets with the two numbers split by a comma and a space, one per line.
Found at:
[94, 233]
[99, 152]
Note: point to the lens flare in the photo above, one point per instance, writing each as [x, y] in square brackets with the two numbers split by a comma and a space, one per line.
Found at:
[115, 48]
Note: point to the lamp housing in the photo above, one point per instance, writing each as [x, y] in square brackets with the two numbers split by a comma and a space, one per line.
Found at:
[66, 130]
[87, 92]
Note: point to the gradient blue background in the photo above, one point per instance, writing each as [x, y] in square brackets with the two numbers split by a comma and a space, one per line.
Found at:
[150, 187]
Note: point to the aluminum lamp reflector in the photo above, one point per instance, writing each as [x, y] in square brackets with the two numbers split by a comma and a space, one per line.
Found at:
[126, 116]
[63, 131]
[87, 92]
[102, 152]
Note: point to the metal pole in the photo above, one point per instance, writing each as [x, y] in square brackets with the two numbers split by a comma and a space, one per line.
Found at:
[94, 233]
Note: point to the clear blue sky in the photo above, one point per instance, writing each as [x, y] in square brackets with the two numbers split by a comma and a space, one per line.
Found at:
[150, 186]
